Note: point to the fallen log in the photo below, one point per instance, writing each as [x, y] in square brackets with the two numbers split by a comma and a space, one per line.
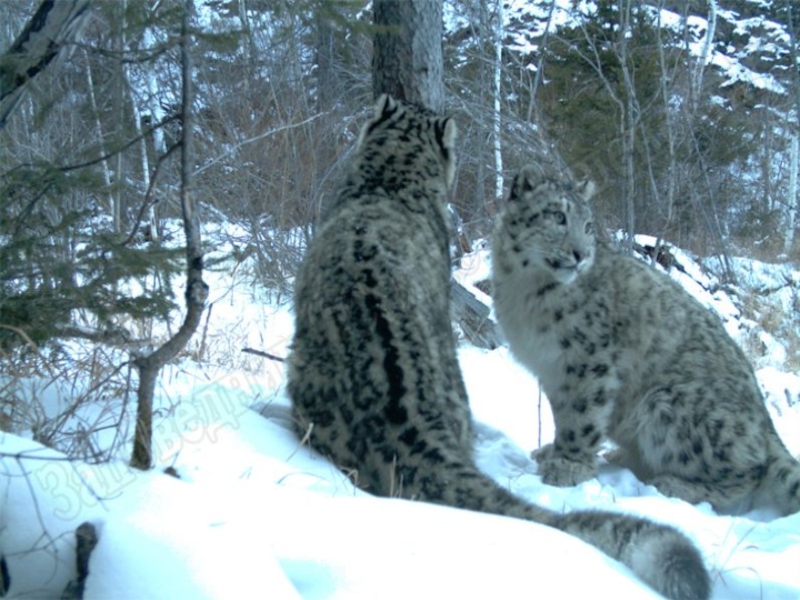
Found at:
[472, 316]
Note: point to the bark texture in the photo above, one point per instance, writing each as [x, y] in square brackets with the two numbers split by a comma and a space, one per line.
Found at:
[53, 26]
[407, 56]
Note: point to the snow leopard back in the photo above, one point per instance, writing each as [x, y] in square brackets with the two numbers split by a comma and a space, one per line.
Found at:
[373, 364]
[373, 374]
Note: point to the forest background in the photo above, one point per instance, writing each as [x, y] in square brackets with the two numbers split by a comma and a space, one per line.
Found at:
[684, 113]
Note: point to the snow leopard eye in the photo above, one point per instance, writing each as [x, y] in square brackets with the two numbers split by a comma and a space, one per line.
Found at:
[559, 217]
[589, 228]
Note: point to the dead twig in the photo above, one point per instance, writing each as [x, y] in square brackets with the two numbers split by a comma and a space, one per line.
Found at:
[263, 354]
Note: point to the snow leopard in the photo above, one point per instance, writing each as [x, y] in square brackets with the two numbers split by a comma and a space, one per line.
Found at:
[624, 353]
[373, 372]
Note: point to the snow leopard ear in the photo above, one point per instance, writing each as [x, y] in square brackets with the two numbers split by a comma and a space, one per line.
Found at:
[528, 178]
[385, 107]
[446, 133]
[585, 189]
[449, 132]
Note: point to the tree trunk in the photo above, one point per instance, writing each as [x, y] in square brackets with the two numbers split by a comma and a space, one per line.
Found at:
[472, 315]
[52, 26]
[533, 105]
[407, 55]
[196, 289]
[407, 63]
[329, 91]
[792, 199]
[107, 179]
[705, 56]
[119, 109]
[630, 117]
[795, 152]
[496, 91]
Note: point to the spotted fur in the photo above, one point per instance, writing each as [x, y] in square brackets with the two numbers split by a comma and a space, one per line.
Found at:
[373, 373]
[623, 352]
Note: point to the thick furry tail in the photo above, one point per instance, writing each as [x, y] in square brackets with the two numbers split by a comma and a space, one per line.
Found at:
[660, 556]
[782, 482]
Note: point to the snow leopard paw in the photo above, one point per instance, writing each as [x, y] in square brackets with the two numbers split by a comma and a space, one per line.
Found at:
[563, 472]
[543, 453]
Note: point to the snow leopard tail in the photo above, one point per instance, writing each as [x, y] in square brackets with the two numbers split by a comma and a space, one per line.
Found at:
[659, 555]
[782, 482]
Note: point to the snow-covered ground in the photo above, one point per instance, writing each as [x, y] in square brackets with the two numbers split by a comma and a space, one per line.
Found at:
[256, 514]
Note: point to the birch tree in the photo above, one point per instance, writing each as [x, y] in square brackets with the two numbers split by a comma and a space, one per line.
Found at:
[497, 82]
[46, 36]
[794, 124]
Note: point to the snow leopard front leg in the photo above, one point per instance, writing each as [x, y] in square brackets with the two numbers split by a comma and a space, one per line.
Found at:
[581, 410]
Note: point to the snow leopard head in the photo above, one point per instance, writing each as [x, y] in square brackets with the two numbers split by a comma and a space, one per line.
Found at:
[549, 225]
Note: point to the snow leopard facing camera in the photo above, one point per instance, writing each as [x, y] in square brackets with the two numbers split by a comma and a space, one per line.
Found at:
[623, 352]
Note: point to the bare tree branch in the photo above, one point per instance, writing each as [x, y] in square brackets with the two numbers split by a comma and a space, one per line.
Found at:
[263, 354]
[238, 145]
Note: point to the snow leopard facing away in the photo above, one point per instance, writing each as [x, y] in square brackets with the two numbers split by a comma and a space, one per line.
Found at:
[373, 372]
[623, 352]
